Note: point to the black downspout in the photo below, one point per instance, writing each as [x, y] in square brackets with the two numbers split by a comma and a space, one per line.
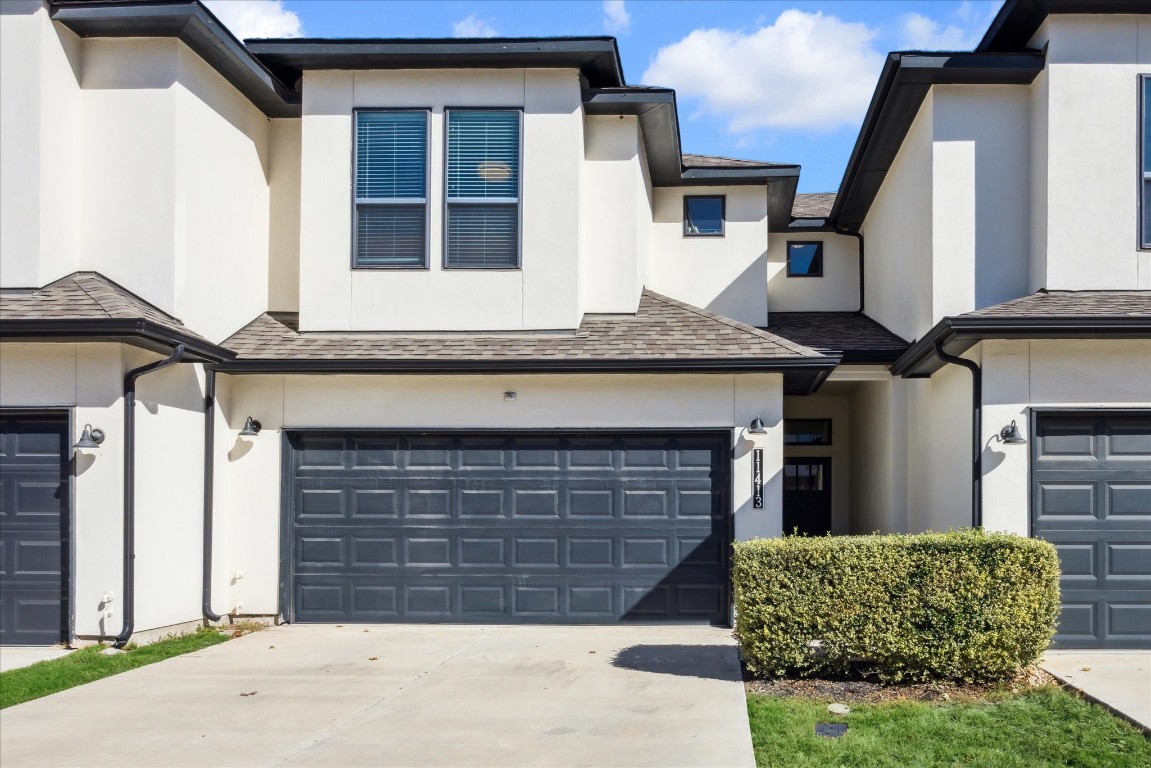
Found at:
[859, 236]
[130, 488]
[209, 460]
[976, 430]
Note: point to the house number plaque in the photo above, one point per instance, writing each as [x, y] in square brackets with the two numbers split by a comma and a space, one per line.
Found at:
[757, 478]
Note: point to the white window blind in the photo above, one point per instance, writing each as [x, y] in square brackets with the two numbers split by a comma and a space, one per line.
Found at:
[391, 189]
[483, 189]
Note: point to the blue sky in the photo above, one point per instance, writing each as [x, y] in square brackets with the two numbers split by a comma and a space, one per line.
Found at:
[765, 80]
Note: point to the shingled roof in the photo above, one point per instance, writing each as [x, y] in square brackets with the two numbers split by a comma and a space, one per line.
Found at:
[663, 335]
[812, 205]
[88, 305]
[714, 161]
[857, 337]
[1072, 303]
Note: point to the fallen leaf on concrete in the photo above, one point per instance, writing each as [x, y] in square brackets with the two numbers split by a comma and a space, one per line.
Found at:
[249, 693]
[270, 647]
[591, 651]
[1085, 669]
[373, 658]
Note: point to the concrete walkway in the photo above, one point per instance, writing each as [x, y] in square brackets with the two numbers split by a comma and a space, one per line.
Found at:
[407, 696]
[1119, 680]
[17, 656]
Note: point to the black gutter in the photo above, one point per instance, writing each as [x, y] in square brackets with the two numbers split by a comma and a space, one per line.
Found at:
[976, 430]
[658, 124]
[209, 460]
[1019, 20]
[134, 331]
[130, 488]
[862, 295]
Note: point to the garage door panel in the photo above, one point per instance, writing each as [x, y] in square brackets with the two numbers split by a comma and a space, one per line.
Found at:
[1092, 499]
[550, 528]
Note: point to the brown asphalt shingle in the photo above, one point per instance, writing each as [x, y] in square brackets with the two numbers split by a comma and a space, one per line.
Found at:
[714, 161]
[812, 205]
[1071, 303]
[835, 331]
[661, 329]
[84, 296]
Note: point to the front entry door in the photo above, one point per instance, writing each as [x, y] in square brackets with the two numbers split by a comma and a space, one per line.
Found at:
[807, 496]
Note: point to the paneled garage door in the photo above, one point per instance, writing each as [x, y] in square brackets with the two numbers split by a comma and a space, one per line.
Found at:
[34, 504]
[556, 528]
[1091, 497]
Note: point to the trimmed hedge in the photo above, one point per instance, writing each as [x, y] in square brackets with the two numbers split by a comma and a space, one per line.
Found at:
[965, 605]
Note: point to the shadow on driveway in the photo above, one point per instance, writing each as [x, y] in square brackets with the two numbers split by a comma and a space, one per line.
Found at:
[711, 662]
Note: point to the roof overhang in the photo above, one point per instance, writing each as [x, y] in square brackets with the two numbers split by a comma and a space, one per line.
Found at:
[597, 58]
[903, 84]
[800, 376]
[138, 333]
[195, 26]
[1018, 20]
[959, 334]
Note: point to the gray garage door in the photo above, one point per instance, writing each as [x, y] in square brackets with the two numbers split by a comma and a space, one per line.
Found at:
[1091, 497]
[498, 528]
[34, 503]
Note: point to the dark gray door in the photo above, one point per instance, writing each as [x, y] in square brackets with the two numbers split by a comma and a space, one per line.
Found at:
[498, 528]
[807, 496]
[34, 504]
[1091, 497]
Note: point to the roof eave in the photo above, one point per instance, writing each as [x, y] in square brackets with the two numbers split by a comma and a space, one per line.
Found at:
[135, 332]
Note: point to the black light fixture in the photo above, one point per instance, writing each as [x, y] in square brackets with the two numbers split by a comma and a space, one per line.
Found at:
[251, 428]
[90, 438]
[1009, 435]
[756, 427]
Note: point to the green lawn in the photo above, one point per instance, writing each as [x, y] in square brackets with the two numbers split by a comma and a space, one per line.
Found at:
[86, 665]
[1043, 727]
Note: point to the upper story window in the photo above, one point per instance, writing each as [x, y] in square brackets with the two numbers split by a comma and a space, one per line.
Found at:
[391, 189]
[483, 189]
[1145, 161]
[804, 259]
[703, 215]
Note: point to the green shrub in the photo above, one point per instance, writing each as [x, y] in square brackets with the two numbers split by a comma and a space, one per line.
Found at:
[965, 605]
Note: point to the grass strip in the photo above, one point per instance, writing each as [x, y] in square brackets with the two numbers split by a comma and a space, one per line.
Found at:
[87, 664]
[1045, 726]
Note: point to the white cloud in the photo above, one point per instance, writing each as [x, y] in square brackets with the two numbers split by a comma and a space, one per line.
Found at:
[256, 18]
[806, 70]
[920, 33]
[615, 17]
[473, 26]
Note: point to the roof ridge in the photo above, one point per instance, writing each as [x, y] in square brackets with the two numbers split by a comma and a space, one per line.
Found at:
[84, 289]
[735, 324]
[128, 293]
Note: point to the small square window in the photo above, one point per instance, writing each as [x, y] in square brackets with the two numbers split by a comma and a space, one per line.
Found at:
[807, 431]
[703, 216]
[804, 259]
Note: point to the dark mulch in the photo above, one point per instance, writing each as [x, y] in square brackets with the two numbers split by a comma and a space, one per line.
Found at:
[867, 691]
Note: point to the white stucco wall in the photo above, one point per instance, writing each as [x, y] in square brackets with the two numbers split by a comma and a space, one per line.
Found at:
[939, 454]
[1091, 142]
[86, 379]
[1021, 375]
[878, 457]
[39, 146]
[837, 290]
[727, 275]
[836, 408]
[543, 294]
[249, 470]
[284, 215]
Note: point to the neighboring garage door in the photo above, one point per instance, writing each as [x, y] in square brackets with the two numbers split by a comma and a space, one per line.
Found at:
[1091, 497]
[34, 504]
[588, 528]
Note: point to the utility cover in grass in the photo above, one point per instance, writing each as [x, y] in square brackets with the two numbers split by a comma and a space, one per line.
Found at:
[830, 730]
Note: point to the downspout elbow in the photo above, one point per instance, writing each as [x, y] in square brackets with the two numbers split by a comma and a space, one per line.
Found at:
[859, 238]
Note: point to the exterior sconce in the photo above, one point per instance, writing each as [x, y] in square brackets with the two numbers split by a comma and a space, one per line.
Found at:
[1009, 435]
[90, 438]
[756, 427]
[251, 428]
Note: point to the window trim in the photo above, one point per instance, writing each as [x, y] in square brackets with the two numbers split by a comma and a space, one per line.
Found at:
[830, 439]
[1143, 178]
[519, 203]
[787, 256]
[398, 202]
[722, 216]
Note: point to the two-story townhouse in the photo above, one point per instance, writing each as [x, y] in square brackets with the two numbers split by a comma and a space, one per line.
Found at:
[464, 335]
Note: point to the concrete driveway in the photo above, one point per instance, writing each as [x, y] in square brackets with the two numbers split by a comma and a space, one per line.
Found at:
[407, 696]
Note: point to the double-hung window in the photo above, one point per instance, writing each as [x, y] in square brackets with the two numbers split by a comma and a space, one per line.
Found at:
[1145, 162]
[483, 189]
[391, 189]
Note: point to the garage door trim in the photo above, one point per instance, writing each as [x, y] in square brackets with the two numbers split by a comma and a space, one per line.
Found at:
[723, 434]
[68, 414]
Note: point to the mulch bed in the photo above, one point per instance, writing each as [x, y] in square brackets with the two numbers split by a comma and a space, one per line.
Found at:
[866, 691]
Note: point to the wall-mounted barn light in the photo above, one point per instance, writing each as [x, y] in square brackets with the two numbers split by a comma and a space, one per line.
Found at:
[1009, 435]
[756, 427]
[90, 438]
[251, 428]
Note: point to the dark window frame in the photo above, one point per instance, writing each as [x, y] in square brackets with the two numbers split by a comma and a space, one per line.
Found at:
[426, 265]
[445, 222]
[817, 259]
[827, 422]
[722, 215]
[1143, 191]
